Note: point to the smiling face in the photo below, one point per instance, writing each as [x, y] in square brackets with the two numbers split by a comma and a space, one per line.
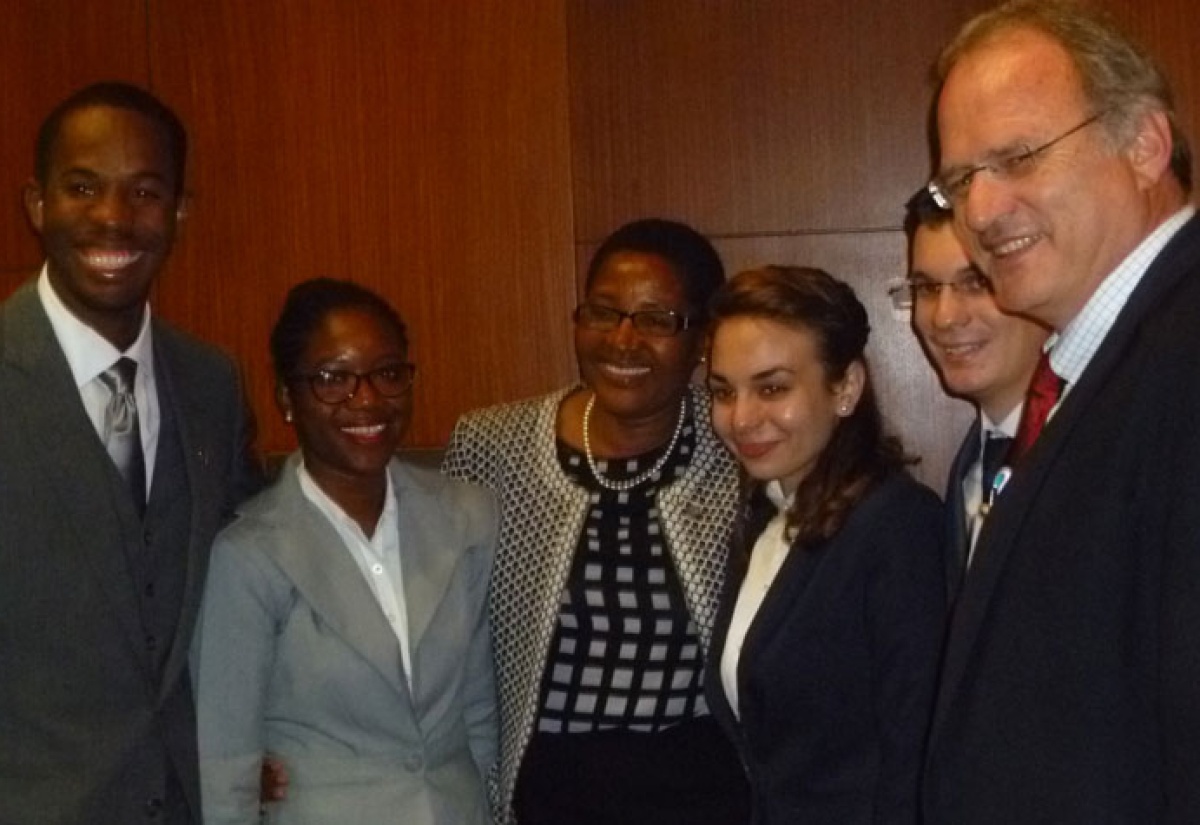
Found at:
[106, 214]
[1048, 239]
[637, 376]
[980, 352]
[773, 404]
[350, 443]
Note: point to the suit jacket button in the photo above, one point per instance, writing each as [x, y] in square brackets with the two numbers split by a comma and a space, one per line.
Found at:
[151, 645]
[154, 807]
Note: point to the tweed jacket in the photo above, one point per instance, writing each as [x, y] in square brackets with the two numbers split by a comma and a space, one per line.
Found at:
[512, 449]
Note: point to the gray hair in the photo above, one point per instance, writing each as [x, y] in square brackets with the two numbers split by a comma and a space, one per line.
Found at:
[1118, 75]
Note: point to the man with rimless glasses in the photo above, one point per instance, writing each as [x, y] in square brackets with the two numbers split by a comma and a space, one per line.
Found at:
[981, 354]
[1069, 682]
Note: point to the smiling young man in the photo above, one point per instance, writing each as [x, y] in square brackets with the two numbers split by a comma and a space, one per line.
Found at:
[1068, 689]
[123, 447]
[980, 352]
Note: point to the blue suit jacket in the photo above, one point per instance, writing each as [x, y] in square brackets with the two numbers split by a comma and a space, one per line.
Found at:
[958, 531]
[836, 674]
[1069, 688]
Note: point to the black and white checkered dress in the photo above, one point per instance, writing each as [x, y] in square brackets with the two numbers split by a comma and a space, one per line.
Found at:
[513, 449]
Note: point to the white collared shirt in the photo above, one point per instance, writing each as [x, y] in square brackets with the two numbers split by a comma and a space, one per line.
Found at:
[377, 557]
[974, 487]
[89, 354]
[1072, 348]
[770, 552]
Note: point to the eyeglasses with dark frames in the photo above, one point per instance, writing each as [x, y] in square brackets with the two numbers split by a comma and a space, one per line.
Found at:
[339, 386]
[950, 187]
[657, 323]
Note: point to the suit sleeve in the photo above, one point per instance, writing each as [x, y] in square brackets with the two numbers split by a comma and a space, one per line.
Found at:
[905, 619]
[245, 471]
[1177, 480]
[480, 710]
[233, 655]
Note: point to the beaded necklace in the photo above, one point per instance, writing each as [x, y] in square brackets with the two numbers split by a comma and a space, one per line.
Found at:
[628, 483]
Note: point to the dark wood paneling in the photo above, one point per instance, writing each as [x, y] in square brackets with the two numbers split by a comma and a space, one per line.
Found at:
[418, 147]
[1169, 28]
[750, 118]
[792, 133]
[47, 49]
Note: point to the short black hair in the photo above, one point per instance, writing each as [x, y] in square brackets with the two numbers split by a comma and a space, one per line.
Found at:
[690, 254]
[116, 95]
[307, 305]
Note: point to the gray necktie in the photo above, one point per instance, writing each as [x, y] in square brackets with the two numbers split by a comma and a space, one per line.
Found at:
[122, 436]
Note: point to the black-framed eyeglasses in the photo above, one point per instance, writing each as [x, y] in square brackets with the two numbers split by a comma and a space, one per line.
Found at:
[339, 386]
[921, 290]
[657, 323]
[950, 187]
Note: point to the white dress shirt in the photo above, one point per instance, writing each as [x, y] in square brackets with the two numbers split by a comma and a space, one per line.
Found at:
[770, 551]
[975, 487]
[89, 354]
[1071, 348]
[377, 557]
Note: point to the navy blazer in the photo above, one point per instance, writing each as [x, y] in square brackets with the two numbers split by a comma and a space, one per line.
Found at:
[836, 675]
[1070, 691]
[958, 529]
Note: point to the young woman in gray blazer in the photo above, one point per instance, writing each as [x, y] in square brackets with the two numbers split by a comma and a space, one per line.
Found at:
[344, 629]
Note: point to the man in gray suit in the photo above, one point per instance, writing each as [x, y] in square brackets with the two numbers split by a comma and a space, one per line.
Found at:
[112, 483]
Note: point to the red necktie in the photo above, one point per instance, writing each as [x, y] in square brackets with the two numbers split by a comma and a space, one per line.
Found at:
[1044, 390]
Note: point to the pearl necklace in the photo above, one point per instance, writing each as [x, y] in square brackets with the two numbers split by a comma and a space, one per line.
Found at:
[628, 483]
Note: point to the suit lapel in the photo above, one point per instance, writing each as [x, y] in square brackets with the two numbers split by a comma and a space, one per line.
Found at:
[785, 597]
[429, 559]
[1002, 529]
[64, 435]
[324, 573]
[175, 391]
[958, 533]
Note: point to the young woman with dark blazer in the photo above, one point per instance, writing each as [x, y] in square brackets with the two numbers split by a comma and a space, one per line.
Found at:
[826, 645]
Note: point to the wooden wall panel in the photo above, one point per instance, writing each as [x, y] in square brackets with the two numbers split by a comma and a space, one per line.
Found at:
[419, 147]
[1169, 28]
[47, 49]
[750, 118]
[449, 155]
[792, 133]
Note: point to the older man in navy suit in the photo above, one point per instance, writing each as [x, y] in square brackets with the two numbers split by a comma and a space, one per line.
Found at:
[1069, 684]
[123, 447]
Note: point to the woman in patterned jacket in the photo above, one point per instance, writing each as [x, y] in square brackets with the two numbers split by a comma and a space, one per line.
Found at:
[616, 506]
